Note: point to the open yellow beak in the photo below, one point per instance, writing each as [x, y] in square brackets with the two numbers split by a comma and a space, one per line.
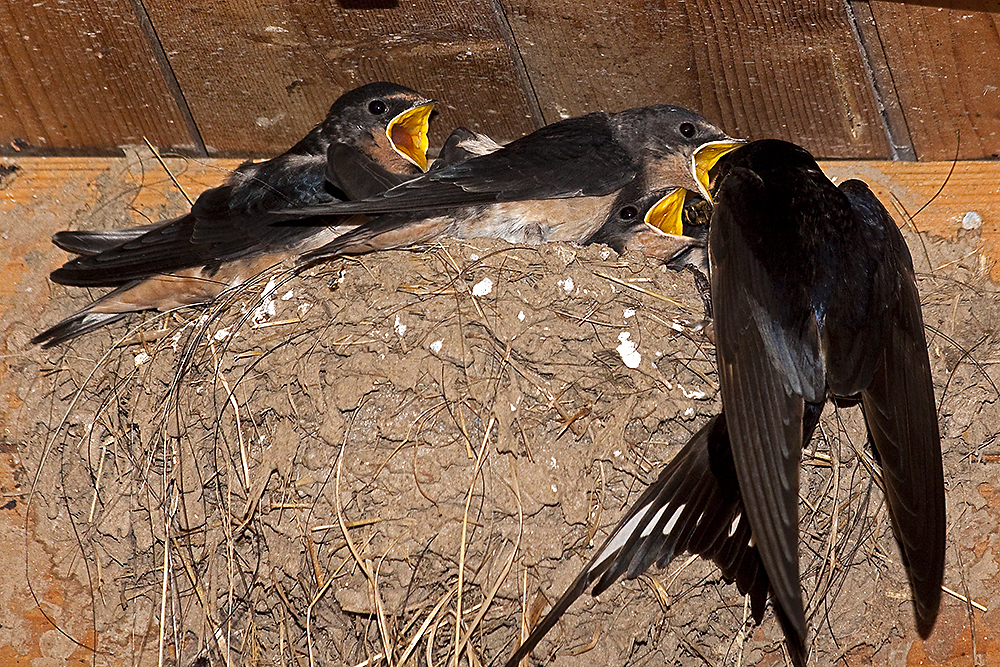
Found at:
[408, 133]
[666, 214]
[705, 158]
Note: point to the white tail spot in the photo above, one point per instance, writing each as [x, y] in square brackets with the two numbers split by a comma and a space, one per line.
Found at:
[621, 537]
[652, 522]
[673, 520]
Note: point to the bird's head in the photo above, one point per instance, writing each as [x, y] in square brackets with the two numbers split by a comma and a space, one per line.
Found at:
[386, 120]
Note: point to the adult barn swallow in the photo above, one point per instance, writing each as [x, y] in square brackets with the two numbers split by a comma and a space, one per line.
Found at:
[228, 235]
[815, 296]
[558, 183]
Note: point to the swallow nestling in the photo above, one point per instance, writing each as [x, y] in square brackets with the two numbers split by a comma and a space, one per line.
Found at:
[815, 296]
[462, 144]
[228, 236]
[558, 183]
[670, 226]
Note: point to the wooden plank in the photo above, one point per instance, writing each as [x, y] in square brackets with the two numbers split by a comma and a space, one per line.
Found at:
[258, 76]
[79, 75]
[790, 70]
[873, 52]
[944, 60]
[945, 191]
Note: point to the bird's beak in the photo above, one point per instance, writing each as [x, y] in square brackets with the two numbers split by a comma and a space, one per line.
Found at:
[705, 158]
[666, 214]
[408, 133]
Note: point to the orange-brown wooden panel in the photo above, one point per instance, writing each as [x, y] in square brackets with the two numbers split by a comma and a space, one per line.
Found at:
[944, 61]
[939, 196]
[79, 75]
[771, 68]
[258, 76]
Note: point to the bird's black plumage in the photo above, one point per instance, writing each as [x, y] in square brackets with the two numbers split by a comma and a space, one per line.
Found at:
[694, 505]
[815, 295]
[233, 223]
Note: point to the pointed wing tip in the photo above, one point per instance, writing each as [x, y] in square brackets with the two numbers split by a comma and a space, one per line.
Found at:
[798, 652]
[925, 612]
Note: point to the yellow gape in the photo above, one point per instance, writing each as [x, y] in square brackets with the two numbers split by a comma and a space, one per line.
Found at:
[666, 214]
[408, 134]
[706, 157]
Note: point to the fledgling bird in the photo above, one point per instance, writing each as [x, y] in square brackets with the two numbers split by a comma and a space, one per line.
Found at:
[815, 296]
[671, 225]
[462, 144]
[558, 183]
[228, 236]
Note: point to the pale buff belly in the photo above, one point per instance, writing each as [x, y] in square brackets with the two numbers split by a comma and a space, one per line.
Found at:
[572, 219]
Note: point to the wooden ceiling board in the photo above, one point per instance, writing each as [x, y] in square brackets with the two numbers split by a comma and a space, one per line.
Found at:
[944, 63]
[258, 77]
[790, 69]
[79, 75]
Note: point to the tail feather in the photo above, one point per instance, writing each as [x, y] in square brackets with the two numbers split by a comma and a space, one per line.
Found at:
[695, 505]
[75, 325]
[90, 243]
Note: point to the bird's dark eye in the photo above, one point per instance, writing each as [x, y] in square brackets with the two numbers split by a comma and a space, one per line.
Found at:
[628, 213]
[687, 130]
[378, 107]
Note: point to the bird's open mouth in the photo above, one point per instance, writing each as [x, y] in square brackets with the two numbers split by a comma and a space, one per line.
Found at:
[705, 158]
[666, 214]
[408, 133]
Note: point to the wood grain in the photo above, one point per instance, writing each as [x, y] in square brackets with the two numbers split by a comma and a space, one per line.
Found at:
[790, 70]
[873, 53]
[79, 75]
[944, 61]
[258, 76]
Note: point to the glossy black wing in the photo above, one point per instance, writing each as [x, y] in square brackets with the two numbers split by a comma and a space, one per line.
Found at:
[176, 246]
[225, 223]
[900, 411]
[694, 505]
[92, 242]
[767, 344]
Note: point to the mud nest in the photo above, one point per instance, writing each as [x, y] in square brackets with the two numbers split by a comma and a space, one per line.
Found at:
[391, 459]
